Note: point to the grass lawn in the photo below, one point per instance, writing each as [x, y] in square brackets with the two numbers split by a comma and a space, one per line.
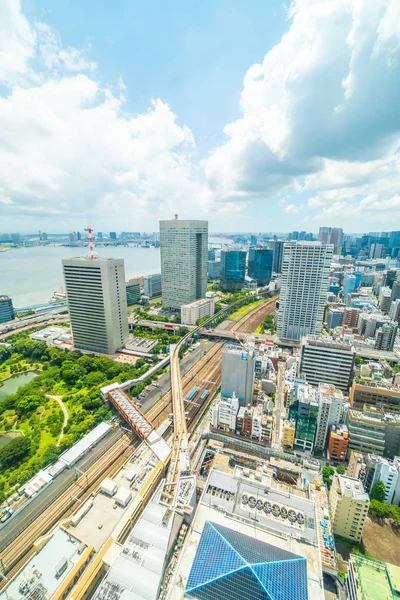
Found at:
[244, 310]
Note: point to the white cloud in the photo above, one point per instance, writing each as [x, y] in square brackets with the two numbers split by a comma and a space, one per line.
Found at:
[292, 209]
[320, 118]
[55, 56]
[323, 105]
[17, 41]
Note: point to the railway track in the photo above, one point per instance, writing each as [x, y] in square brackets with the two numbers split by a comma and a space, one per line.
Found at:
[250, 322]
[206, 374]
[14, 555]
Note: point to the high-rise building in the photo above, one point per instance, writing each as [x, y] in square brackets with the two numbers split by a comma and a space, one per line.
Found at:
[334, 318]
[99, 237]
[376, 250]
[184, 255]
[324, 360]
[15, 238]
[238, 368]
[233, 269]
[386, 336]
[113, 235]
[96, 294]
[78, 236]
[349, 506]
[385, 299]
[394, 313]
[211, 254]
[277, 248]
[396, 290]
[132, 293]
[152, 285]
[214, 269]
[6, 309]
[330, 409]
[332, 235]
[260, 265]
[349, 284]
[304, 289]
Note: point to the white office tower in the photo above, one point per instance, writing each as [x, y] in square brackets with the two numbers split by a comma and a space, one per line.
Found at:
[184, 259]
[238, 369]
[96, 294]
[329, 412]
[304, 288]
[325, 360]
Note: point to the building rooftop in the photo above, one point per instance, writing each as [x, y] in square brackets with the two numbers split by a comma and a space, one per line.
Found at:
[254, 528]
[46, 571]
[325, 342]
[230, 565]
[197, 302]
[375, 580]
[349, 486]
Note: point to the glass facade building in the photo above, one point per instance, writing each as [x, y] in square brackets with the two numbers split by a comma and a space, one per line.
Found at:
[260, 264]
[6, 309]
[232, 566]
[233, 269]
[132, 293]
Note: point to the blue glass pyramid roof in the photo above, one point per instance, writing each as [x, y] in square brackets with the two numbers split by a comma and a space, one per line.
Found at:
[234, 566]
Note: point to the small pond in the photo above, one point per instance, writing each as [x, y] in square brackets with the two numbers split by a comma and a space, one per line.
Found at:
[10, 386]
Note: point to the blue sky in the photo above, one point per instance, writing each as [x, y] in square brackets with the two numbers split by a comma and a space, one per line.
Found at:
[259, 116]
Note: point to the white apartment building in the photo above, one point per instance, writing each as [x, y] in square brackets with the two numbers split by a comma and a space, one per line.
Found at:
[329, 413]
[387, 472]
[349, 506]
[184, 258]
[96, 294]
[324, 360]
[238, 372]
[304, 288]
[152, 285]
[191, 313]
[223, 413]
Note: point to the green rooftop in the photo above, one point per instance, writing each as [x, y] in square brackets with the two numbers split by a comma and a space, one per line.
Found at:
[376, 580]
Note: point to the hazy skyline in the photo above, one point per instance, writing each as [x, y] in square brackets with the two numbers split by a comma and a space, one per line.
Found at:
[269, 119]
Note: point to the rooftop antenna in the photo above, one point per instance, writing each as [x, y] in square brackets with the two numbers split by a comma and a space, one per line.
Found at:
[176, 216]
[92, 254]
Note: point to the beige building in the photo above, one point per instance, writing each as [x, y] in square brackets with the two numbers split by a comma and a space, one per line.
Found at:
[191, 313]
[349, 507]
[288, 434]
[373, 393]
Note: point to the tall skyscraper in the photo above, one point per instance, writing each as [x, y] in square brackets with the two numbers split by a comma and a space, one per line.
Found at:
[260, 264]
[304, 288]
[332, 235]
[233, 269]
[6, 309]
[96, 294]
[277, 247]
[184, 256]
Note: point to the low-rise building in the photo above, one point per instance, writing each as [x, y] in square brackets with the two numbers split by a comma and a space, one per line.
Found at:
[349, 505]
[223, 413]
[338, 442]
[191, 313]
[288, 433]
[369, 579]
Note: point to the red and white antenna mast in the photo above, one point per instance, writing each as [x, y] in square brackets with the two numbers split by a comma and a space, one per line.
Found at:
[92, 254]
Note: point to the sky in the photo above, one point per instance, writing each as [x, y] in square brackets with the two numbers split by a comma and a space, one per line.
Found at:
[258, 116]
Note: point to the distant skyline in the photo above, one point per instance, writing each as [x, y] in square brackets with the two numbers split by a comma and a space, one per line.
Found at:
[270, 117]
